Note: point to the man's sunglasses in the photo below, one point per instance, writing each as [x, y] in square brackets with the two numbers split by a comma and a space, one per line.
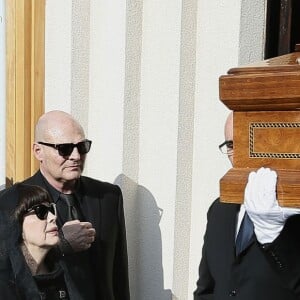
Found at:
[67, 148]
[41, 210]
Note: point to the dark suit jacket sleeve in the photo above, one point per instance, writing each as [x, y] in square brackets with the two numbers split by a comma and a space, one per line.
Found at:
[284, 254]
[205, 283]
[120, 276]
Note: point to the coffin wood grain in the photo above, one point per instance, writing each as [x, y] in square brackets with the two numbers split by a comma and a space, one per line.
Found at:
[272, 84]
[265, 99]
[233, 183]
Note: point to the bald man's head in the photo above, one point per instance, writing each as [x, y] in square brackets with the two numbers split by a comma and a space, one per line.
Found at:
[228, 133]
[228, 128]
[53, 124]
[53, 129]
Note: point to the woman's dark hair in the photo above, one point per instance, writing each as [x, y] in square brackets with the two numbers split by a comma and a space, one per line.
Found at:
[29, 195]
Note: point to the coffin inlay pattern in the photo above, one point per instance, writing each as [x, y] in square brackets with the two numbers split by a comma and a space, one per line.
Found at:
[269, 126]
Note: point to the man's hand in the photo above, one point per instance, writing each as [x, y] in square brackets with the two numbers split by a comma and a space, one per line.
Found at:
[78, 234]
[262, 206]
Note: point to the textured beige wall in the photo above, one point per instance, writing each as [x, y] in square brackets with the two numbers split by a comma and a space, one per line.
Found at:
[142, 77]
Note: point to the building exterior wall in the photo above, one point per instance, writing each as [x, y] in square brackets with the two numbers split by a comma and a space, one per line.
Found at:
[142, 78]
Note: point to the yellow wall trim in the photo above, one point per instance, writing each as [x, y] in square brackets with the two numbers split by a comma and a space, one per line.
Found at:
[25, 42]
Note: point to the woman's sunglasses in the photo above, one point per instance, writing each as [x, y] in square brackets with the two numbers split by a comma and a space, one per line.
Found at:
[41, 210]
[67, 148]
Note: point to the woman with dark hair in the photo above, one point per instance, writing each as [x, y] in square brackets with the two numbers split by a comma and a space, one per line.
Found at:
[29, 242]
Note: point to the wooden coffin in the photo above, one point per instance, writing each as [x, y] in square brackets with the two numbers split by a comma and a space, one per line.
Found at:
[265, 99]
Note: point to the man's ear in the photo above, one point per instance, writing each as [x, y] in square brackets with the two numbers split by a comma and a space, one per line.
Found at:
[37, 151]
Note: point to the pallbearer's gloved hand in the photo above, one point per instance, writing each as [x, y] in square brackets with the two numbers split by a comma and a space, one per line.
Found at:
[262, 206]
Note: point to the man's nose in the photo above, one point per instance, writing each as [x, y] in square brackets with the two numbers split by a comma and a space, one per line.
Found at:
[75, 154]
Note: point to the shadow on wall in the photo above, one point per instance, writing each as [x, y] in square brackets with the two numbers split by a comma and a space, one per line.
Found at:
[144, 241]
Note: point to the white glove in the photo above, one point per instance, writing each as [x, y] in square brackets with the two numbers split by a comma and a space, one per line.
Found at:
[262, 206]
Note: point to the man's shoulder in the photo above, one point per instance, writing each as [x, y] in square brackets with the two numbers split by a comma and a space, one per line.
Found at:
[219, 207]
[95, 184]
[9, 196]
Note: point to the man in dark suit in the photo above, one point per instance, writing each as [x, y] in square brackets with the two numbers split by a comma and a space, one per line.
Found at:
[259, 266]
[90, 212]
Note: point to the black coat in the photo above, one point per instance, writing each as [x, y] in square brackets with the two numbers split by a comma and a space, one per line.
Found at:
[102, 205]
[254, 274]
[16, 280]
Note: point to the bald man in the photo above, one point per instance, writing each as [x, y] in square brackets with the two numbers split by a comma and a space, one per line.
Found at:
[264, 263]
[90, 212]
[228, 133]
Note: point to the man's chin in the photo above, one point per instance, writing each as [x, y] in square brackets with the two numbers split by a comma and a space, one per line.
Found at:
[73, 175]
